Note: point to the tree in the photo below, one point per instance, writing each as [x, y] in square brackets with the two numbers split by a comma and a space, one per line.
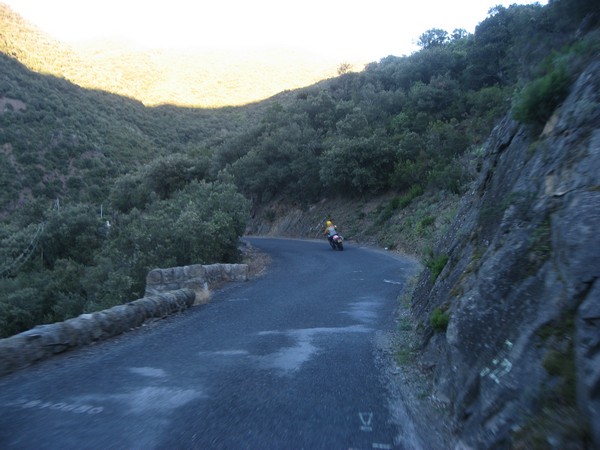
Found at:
[344, 68]
[74, 232]
[459, 33]
[433, 37]
[358, 165]
[505, 38]
[199, 224]
[168, 174]
[354, 124]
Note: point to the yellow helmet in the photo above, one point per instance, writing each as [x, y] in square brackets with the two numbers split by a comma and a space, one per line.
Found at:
[329, 223]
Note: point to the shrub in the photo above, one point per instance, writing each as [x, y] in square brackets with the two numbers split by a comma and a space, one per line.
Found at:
[415, 191]
[387, 212]
[439, 319]
[426, 221]
[451, 176]
[537, 100]
[436, 264]
[561, 364]
[270, 215]
[540, 246]
[399, 203]
[404, 357]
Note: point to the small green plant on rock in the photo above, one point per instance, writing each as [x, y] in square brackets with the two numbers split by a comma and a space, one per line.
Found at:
[404, 357]
[540, 246]
[270, 215]
[439, 319]
[560, 363]
[436, 264]
[541, 237]
[428, 220]
[558, 415]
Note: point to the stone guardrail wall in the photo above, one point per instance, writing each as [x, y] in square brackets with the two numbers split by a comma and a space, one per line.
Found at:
[197, 277]
[168, 291]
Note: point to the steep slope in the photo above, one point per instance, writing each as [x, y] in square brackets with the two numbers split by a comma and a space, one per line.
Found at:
[519, 362]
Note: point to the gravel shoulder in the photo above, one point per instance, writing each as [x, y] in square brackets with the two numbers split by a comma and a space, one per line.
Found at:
[410, 387]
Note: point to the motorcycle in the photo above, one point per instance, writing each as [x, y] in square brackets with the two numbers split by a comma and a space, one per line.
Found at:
[337, 242]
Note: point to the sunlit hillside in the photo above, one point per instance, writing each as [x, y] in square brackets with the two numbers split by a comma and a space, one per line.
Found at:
[198, 78]
[182, 77]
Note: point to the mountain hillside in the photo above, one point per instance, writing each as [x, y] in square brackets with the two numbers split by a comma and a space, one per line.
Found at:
[200, 78]
[478, 154]
[192, 77]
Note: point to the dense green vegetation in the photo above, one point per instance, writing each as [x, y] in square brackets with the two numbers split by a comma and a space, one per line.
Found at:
[98, 189]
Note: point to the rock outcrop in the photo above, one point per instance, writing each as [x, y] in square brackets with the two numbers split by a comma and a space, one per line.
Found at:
[519, 360]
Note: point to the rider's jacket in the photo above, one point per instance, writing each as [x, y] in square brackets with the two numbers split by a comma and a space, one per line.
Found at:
[330, 231]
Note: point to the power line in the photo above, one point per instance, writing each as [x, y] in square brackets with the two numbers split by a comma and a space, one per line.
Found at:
[25, 255]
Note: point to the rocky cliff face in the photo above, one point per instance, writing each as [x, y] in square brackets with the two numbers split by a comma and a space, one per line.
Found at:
[518, 364]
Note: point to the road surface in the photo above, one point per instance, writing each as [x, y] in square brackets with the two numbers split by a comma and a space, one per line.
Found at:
[283, 361]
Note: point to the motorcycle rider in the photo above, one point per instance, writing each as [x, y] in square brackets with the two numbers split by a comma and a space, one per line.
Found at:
[330, 230]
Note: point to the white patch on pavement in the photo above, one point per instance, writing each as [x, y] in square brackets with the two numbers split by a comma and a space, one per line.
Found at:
[156, 399]
[363, 311]
[290, 359]
[224, 353]
[148, 372]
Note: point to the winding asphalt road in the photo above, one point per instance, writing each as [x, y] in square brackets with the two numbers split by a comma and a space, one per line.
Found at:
[283, 361]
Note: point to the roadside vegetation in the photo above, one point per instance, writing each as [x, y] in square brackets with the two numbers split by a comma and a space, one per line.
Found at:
[99, 189]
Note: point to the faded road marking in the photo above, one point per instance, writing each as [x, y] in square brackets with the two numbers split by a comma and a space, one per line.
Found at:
[56, 406]
[365, 420]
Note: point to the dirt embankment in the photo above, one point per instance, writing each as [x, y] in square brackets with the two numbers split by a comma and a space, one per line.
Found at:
[388, 221]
